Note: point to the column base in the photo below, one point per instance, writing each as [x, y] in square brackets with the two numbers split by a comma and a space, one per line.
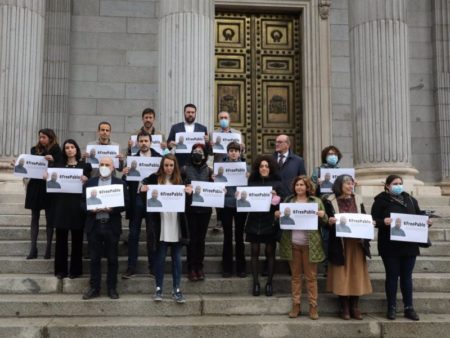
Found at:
[371, 181]
[445, 187]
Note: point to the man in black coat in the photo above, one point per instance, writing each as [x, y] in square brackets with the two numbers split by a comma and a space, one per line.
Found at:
[291, 165]
[188, 126]
[103, 228]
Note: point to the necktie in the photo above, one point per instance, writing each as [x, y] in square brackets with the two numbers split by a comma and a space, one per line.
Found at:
[280, 161]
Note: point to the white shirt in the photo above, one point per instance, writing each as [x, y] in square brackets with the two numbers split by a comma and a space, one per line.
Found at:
[189, 127]
[170, 226]
[286, 154]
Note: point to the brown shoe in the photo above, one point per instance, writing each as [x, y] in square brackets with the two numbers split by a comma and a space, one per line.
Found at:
[295, 312]
[354, 308]
[313, 314]
[192, 276]
[345, 307]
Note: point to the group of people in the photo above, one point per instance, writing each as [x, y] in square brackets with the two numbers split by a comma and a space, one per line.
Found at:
[283, 171]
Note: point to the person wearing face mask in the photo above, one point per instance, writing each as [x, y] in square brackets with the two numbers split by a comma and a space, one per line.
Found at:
[331, 156]
[103, 228]
[197, 217]
[398, 257]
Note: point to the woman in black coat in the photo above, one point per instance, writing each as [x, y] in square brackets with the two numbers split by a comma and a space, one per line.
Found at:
[36, 196]
[260, 227]
[398, 257]
[67, 215]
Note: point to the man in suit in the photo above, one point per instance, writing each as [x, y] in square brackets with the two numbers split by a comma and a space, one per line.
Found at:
[103, 228]
[291, 165]
[188, 126]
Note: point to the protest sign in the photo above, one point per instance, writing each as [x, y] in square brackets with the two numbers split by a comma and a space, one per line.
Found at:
[231, 173]
[354, 225]
[141, 167]
[328, 176]
[207, 194]
[185, 141]
[104, 196]
[409, 228]
[299, 216]
[97, 152]
[166, 198]
[64, 180]
[221, 141]
[30, 166]
[253, 199]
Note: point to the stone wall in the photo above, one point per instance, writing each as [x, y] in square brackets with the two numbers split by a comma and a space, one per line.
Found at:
[114, 66]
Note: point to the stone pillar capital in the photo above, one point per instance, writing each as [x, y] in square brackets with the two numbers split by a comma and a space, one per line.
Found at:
[200, 7]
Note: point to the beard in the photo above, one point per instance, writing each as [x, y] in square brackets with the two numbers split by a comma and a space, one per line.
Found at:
[148, 125]
[189, 119]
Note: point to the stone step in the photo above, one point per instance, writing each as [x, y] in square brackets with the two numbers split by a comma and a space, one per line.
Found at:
[12, 197]
[212, 265]
[213, 284]
[373, 326]
[62, 305]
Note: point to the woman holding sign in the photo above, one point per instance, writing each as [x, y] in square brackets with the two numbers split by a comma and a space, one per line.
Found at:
[260, 226]
[303, 248]
[398, 257]
[36, 197]
[67, 215]
[348, 276]
[169, 228]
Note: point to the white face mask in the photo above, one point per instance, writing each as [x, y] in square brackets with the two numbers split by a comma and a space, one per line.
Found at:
[104, 171]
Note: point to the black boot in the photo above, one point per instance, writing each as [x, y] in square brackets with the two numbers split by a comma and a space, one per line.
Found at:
[33, 252]
[391, 313]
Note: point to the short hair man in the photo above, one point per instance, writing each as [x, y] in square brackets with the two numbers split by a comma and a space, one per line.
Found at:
[148, 126]
[153, 201]
[103, 227]
[196, 197]
[220, 177]
[326, 183]
[19, 168]
[291, 165]
[53, 184]
[242, 202]
[286, 218]
[342, 226]
[397, 229]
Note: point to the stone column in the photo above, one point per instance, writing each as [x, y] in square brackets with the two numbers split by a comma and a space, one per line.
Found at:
[441, 42]
[21, 62]
[55, 98]
[380, 90]
[186, 60]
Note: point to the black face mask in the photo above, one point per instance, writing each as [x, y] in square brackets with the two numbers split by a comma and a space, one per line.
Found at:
[197, 158]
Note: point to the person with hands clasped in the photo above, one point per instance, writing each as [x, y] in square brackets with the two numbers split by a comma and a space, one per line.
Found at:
[260, 227]
[36, 196]
[398, 257]
[169, 227]
[303, 248]
[348, 275]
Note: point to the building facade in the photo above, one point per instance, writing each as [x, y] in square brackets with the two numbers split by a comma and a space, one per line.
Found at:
[369, 76]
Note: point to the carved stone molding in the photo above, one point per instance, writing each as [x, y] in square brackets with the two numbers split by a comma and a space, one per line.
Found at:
[324, 9]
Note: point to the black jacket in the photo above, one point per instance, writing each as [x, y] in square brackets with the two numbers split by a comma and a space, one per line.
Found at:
[382, 207]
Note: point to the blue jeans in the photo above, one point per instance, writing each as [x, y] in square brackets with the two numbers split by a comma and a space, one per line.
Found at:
[159, 260]
[396, 267]
[135, 231]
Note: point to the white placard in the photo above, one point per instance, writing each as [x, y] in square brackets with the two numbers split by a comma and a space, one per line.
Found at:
[409, 228]
[98, 151]
[134, 145]
[141, 167]
[221, 141]
[30, 166]
[354, 226]
[105, 196]
[299, 216]
[328, 176]
[253, 199]
[185, 141]
[166, 198]
[64, 180]
[156, 144]
[207, 194]
[231, 173]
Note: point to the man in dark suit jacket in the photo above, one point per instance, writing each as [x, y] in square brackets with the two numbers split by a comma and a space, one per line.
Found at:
[103, 228]
[290, 164]
[188, 126]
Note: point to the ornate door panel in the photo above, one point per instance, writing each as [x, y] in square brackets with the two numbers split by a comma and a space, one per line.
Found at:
[258, 77]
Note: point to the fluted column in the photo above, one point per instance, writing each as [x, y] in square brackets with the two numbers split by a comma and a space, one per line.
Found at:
[186, 54]
[21, 63]
[380, 90]
[441, 35]
[55, 99]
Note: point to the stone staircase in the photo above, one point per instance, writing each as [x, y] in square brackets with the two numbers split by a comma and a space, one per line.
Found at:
[33, 303]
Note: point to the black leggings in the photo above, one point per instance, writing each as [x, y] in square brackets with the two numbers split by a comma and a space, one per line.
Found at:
[270, 258]
[35, 215]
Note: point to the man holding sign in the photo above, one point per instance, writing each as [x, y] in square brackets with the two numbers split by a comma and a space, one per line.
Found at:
[148, 126]
[390, 209]
[103, 227]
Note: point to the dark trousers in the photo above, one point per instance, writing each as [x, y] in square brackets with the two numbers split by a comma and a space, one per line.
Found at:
[399, 267]
[160, 259]
[198, 226]
[228, 214]
[103, 240]
[138, 214]
[62, 252]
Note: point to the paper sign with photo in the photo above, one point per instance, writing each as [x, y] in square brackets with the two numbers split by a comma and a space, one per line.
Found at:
[253, 199]
[141, 167]
[409, 228]
[166, 198]
[221, 141]
[185, 141]
[104, 196]
[231, 173]
[328, 176]
[30, 166]
[97, 152]
[354, 225]
[299, 216]
[207, 194]
[64, 180]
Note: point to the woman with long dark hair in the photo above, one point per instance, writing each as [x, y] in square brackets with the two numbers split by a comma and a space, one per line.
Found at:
[260, 227]
[67, 215]
[398, 257]
[36, 196]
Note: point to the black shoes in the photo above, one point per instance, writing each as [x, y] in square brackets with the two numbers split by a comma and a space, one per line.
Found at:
[242, 274]
[33, 254]
[256, 289]
[226, 274]
[61, 275]
[91, 293]
[391, 313]
[411, 314]
[112, 293]
[269, 290]
[128, 274]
